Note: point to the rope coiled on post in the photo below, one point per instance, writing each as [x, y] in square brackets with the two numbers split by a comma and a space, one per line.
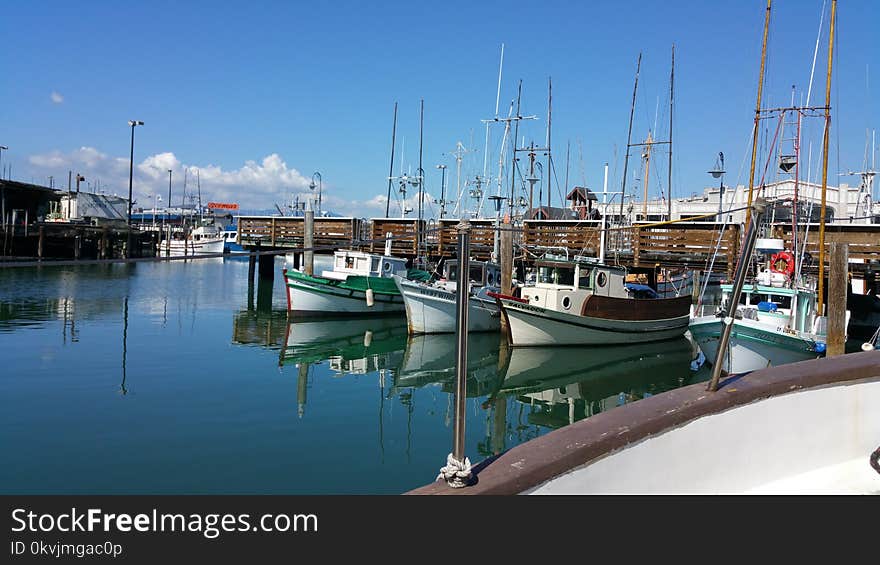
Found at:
[456, 473]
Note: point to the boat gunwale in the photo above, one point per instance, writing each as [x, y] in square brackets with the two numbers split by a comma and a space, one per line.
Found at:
[531, 464]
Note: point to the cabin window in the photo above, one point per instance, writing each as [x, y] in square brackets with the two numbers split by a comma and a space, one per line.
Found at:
[602, 280]
[375, 266]
[585, 280]
[452, 274]
[476, 274]
[780, 301]
[349, 262]
[566, 302]
[556, 275]
[489, 278]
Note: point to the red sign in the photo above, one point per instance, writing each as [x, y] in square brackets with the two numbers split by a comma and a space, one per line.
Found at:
[222, 206]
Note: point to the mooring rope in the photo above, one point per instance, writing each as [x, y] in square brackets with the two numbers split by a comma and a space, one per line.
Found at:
[456, 473]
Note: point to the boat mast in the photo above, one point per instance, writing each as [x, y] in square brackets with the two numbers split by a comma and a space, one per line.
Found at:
[821, 300]
[758, 113]
[549, 155]
[419, 237]
[497, 101]
[671, 92]
[629, 135]
[391, 170]
[513, 168]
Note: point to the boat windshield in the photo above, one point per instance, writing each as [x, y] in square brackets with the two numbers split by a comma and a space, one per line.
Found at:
[476, 273]
[556, 275]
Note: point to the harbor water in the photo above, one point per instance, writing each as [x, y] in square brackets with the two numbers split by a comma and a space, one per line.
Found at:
[179, 377]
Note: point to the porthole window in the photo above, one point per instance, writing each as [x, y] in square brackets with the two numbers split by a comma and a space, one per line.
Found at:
[601, 279]
[386, 267]
[566, 302]
[536, 298]
[489, 279]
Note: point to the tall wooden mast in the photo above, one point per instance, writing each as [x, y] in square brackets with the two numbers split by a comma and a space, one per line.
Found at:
[821, 299]
[629, 136]
[758, 112]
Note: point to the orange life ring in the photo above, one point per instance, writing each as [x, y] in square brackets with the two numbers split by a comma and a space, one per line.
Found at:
[782, 262]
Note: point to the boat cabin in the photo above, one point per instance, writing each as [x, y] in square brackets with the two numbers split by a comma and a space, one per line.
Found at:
[358, 263]
[482, 273]
[564, 285]
[768, 303]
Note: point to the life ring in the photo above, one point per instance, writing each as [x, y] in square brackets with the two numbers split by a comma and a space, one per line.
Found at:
[782, 262]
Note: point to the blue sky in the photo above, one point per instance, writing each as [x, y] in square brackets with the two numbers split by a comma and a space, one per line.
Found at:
[259, 95]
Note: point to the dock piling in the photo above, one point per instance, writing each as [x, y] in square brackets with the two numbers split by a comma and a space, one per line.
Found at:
[309, 242]
[837, 291]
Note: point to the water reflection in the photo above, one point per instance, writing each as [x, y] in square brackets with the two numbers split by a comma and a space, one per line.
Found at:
[523, 392]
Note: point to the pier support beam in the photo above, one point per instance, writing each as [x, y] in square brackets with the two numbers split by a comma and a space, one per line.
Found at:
[77, 245]
[837, 291]
[252, 265]
[267, 266]
[309, 243]
[40, 243]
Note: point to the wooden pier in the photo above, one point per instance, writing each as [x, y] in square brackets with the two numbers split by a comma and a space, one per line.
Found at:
[683, 244]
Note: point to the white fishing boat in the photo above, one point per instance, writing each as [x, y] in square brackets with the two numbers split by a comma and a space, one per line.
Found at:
[359, 283]
[203, 240]
[581, 302]
[431, 306]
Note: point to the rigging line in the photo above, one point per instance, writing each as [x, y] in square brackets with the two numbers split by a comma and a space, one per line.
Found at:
[816, 50]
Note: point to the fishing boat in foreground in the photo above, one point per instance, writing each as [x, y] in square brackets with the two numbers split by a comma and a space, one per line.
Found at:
[581, 302]
[431, 306]
[359, 283]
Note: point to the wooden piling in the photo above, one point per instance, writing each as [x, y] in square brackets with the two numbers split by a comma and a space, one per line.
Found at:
[506, 260]
[105, 252]
[309, 243]
[77, 245]
[252, 264]
[40, 243]
[837, 291]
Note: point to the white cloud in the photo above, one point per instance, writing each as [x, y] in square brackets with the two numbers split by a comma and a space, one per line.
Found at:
[56, 97]
[253, 185]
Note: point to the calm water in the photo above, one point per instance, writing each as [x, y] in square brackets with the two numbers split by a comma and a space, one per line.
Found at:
[174, 378]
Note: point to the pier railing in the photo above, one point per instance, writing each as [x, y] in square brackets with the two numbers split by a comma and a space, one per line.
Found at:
[482, 238]
[287, 231]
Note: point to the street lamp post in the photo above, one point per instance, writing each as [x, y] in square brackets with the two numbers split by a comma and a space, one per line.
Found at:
[312, 186]
[169, 199]
[133, 124]
[718, 172]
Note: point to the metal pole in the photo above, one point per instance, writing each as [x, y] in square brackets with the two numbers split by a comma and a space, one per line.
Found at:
[721, 190]
[458, 472]
[461, 352]
[738, 281]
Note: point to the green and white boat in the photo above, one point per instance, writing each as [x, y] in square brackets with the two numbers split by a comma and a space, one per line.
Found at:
[775, 323]
[358, 284]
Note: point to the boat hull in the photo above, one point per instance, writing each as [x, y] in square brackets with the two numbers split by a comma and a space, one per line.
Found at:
[315, 297]
[752, 347]
[433, 310]
[179, 248]
[532, 325]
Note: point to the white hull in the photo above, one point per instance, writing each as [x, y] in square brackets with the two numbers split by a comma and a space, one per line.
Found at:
[753, 346]
[531, 325]
[433, 310]
[321, 300]
[179, 248]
